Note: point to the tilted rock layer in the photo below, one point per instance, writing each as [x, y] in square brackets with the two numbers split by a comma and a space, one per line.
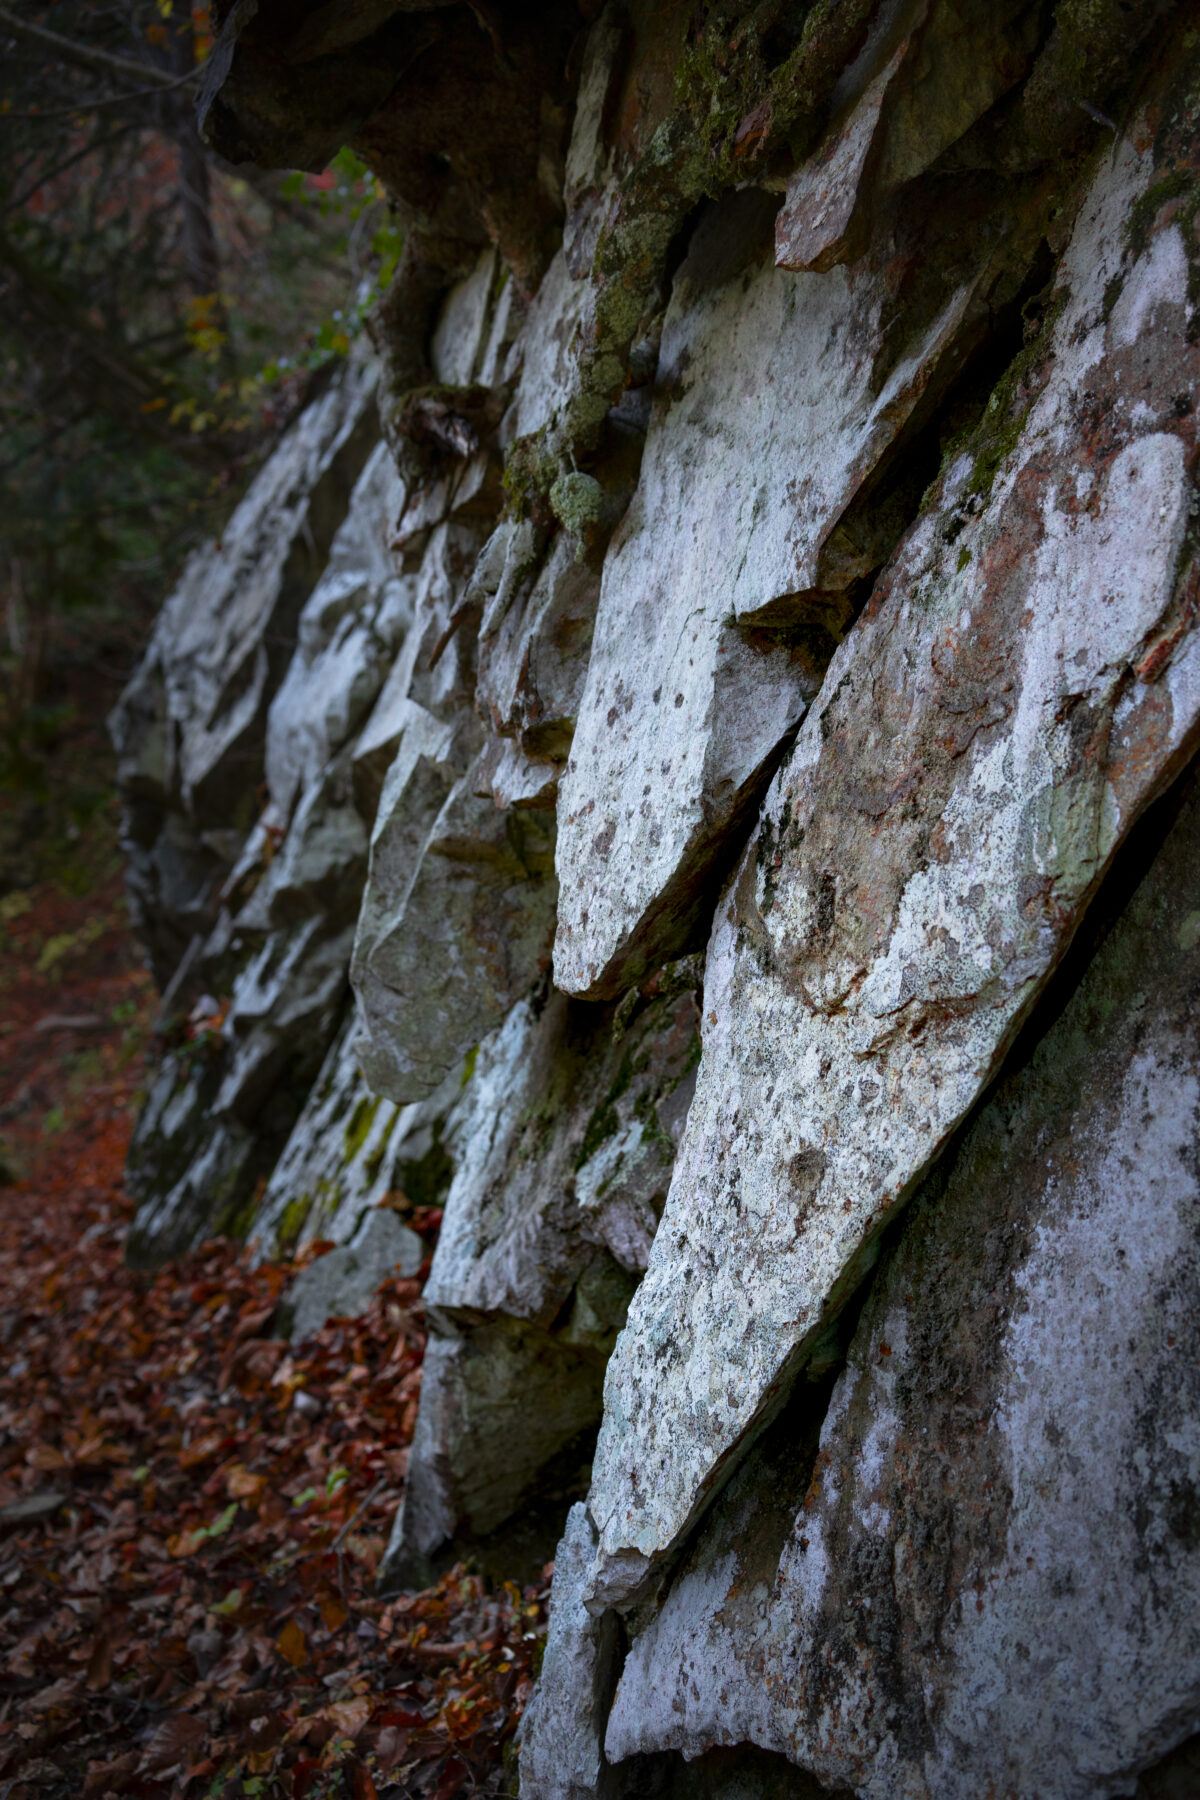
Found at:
[723, 683]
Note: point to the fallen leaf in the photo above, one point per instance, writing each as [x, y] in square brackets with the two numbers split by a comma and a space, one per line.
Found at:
[100, 1663]
[333, 1613]
[111, 1777]
[45, 1457]
[392, 1747]
[292, 1645]
[304, 1772]
[349, 1716]
[171, 1743]
[201, 1451]
[240, 1484]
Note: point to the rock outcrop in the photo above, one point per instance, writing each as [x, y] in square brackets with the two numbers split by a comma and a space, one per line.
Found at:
[698, 789]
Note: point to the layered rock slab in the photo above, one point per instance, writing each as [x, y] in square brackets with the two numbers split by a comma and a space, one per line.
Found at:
[989, 1577]
[1025, 678]
[265, 986]
[189, 728]
[769, 416]
[564, 1140]
[350, 1150]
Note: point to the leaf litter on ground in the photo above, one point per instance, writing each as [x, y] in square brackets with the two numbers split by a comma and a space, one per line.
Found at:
[192, 1512]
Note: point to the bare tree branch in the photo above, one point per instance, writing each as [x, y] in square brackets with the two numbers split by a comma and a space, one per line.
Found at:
[86, 56]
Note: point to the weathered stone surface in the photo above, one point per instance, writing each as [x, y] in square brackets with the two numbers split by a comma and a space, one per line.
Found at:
[349, 1150]
[446, 952]
[814, 227]
[927, 73]
[279, 949]
[560, 1739]
[991, 1581]
[341, 1283]
[459, 910]
[189, 728]
[564, 1141]
[1024, 679]
[350, 629]
[766, 423]
[223, 1105]
[533, 666]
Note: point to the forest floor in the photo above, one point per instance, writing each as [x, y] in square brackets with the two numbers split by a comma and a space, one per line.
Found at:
[191, 1510]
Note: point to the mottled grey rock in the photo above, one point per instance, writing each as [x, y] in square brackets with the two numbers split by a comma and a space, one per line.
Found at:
[189, 727]
[445, 951]
[341, 1283]
[349, 632]
[989, 1575]
[279, 949]
[1019, 687]
[560, 1734]
[349, 1150]
[815, 227]
[221, 1108]
[533, 665]
[563, 1143]
[459, 908]
[768, 417]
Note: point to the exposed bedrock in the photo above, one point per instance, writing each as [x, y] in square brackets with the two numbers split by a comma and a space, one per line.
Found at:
[693, 786]
[564, 1146]
[1024, 679]
[989, 1571]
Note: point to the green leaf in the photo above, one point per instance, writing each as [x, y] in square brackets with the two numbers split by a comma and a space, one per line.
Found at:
[221, 1525]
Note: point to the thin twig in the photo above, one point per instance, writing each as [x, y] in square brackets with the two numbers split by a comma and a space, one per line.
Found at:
[355, 1516]
[88, 106]
[87, 57]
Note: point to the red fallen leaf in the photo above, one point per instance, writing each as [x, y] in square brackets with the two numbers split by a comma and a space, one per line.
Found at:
[253, 1323]
[304, 1772]
[45, 1457]
[201, 1451]
[333, 1613]
[364, 1787]
[455, 1775]
[240, 1484]
[256, 1361]
[171, 1743]
[397, 1718]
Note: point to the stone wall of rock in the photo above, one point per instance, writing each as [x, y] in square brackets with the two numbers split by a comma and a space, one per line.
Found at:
[683, 760]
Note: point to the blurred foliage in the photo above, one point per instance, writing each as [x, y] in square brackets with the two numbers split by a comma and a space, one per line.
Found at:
[163, 316]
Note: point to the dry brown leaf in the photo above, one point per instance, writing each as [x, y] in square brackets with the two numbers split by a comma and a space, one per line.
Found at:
[292, 1645]
[349, 1716]
[240, 1484]
[110, 1777]
[172, 1743]
[45, 1457]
